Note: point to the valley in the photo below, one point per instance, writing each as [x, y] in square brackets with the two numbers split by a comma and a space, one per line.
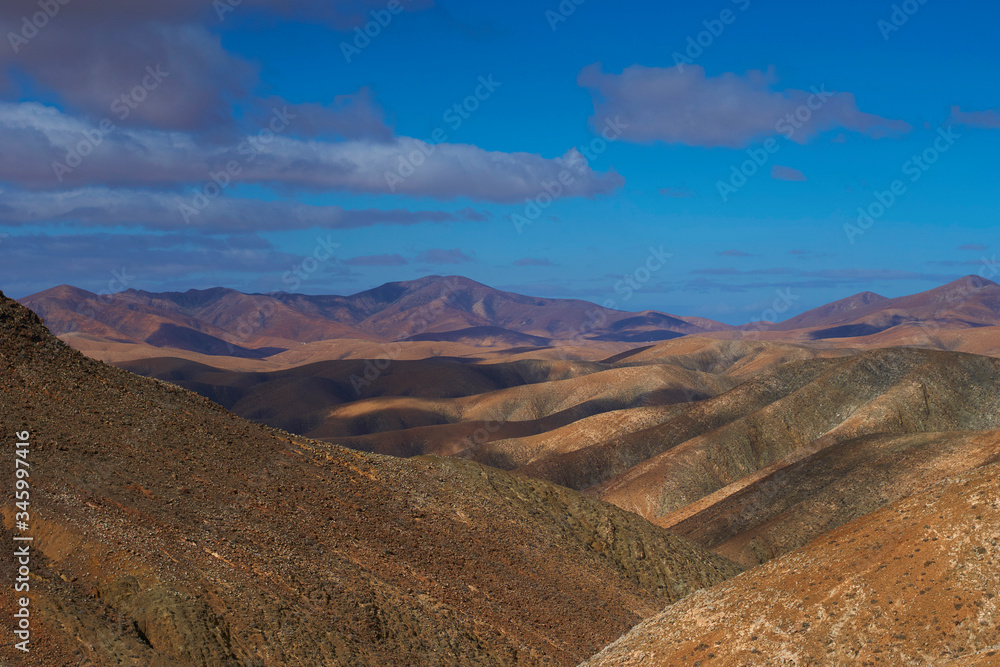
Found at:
[630, 477]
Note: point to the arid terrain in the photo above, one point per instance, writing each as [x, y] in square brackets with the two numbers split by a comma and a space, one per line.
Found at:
[913, 583]
[441, 473]
[430, 333]
[169, 531]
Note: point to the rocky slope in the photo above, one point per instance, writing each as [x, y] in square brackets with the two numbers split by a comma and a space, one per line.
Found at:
[893, 391]
[801, 497]
[749, 448]
[168, 532]
[914, 583]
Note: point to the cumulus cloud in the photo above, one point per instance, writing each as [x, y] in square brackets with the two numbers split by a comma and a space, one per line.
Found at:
[353, 116]
[989, 119]
[162, 211]
[341, 14]
[38, 138]
[92, 53]
[729, 110]
[92, 68]
[781, 173]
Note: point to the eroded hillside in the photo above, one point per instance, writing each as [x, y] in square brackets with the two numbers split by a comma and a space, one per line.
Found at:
[914, 583]
[169, 531]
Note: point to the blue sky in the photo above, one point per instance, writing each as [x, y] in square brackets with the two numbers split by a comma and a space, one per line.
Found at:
[299, 138]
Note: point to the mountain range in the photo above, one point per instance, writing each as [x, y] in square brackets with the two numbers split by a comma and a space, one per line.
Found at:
[168, 531]
[497, 490]
[429, 309]
[454, 310]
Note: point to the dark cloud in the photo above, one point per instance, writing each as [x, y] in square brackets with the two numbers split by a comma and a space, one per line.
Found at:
[354, 116]
[342, 14]
[684, 106]
[175, 77]
[36, 136]
[163, 211]
[90, 54]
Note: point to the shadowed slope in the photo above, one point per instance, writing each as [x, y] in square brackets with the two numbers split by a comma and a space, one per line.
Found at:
[300, 399]
[605, 460]
[734, 358]
[971, 301]
[913, 583]
[581, 396]
[894, 391]
[785, 505]
[167, 531]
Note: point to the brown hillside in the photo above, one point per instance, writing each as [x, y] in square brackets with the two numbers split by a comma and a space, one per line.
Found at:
[971, 301]
[915, 583]
[892, 391]
[785, 505]
[446, 309]
[168, 532]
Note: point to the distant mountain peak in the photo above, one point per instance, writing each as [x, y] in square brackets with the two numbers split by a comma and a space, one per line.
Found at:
[65, 291]
[868, 297]
[970, 281]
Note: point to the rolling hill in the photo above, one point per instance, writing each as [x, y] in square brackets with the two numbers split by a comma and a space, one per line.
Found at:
[972, 301]
[457, 317]
[892, 391]
[168, 531]
[434, 308]
[690, 424]
[912, 583]
[564, 499]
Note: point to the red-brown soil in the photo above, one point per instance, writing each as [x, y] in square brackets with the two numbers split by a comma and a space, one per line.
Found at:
[168, 531]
